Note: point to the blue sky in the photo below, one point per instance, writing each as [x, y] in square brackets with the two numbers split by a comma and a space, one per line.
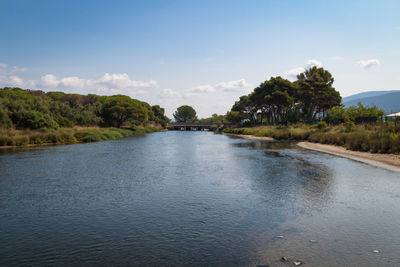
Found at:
[202, 53]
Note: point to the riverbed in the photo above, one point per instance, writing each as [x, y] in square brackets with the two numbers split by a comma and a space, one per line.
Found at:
[195, 199]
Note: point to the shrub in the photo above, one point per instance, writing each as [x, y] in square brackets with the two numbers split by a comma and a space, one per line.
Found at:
[321, 125]
[349, 125]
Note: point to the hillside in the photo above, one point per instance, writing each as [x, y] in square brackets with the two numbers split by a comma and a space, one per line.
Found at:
[389, 101]
[366, 94]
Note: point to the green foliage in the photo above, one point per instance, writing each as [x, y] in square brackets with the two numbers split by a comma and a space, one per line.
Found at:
[185, 114]
[5, 120]
[349, 125]
[336, 115]
[28, 109]
[322, 125]
[279, 101]
[215, 118]
[274, 99]
[315, 93]
[234, 116]
[360, 113]
[300, 132]
[120, 109]
[383, 138]
[159, 114]
[12, 137]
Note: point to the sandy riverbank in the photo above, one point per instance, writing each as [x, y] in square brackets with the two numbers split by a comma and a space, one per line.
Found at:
[387, 161]
[252, 137]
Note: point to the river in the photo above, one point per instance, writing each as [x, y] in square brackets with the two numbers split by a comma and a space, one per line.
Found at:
[194, 199]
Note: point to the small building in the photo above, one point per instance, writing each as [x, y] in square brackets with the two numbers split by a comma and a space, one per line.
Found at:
[393, 117]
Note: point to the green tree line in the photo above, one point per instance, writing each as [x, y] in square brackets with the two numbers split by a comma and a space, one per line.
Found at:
[310, 98]
[280, 101]
[34, 109]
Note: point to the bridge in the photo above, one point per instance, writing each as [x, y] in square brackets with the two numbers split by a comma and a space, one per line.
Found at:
[192, 126]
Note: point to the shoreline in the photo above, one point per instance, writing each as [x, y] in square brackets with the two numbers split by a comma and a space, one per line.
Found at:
[67, 136]
[386, 161]
[251, 137]
[37, 145]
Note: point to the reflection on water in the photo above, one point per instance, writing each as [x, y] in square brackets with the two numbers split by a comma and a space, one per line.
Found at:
[194, 198]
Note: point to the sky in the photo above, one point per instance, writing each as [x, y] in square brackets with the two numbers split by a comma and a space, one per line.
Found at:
[196, 52]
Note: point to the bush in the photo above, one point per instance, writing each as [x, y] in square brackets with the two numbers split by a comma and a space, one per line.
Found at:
[321, 125]
[349, 125]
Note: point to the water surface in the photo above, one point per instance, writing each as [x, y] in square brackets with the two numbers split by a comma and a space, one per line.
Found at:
[194, 198]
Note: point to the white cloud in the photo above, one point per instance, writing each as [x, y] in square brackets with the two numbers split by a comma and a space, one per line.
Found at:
[123, 80]
[233, 86]
[230, 86]
[294, 72]
[17, 81]
[74, 82]
[313, 63]
[16, 69]
[115, 83]
[169, 92]
[6, 70]
[368, 63]
[8, 77]
[49, 81]
[199, 90]
[207, 98]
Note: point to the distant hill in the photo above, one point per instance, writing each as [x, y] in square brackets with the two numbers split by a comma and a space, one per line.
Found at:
[366, 94]
[389, 101]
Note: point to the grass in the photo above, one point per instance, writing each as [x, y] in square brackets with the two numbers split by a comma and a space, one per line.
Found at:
[12, 137]
[375, 138]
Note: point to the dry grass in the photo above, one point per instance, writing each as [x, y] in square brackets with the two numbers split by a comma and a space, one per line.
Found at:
[13, 137]
[375, 138]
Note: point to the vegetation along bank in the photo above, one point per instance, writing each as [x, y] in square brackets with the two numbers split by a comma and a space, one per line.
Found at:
[310, 109]
[32, 117]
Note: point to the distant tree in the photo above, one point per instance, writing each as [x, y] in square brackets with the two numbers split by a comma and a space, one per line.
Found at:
[340, 114]
[234, 116]
[215, 118]
[5, 120]
[158, 111]
[185, 114]
[36, 109]
[159, 114]
[336, 115]
[120, 109]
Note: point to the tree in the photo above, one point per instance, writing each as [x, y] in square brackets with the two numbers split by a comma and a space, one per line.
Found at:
[120, 109]
[315, 92]
[234, 117]
[159, 114]
[215, 118]
[185, 114]
[36, 109]
[274, 99]
[247, 109]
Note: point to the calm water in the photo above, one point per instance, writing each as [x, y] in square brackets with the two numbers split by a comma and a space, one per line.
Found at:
[194, 198]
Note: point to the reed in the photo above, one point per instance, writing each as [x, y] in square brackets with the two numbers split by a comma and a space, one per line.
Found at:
[375, 138]
[13, 137]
